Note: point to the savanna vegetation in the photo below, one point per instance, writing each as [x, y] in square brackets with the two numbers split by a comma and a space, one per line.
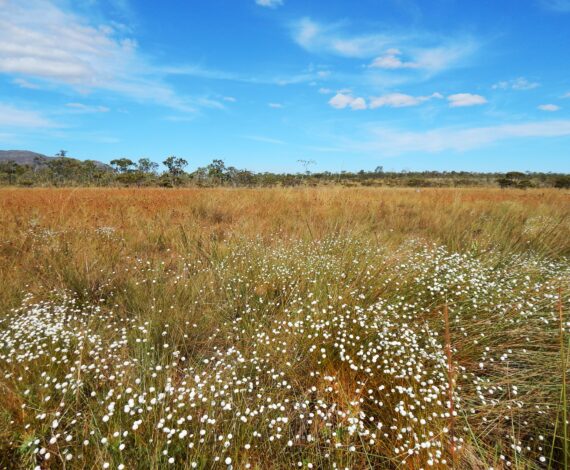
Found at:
[176, 172]
[303, 327]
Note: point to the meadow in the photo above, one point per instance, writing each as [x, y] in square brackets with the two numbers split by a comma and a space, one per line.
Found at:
[284, 328]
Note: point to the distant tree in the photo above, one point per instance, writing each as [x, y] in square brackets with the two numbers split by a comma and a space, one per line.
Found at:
[200, 176]
[514, 179]
[61, 153]
[11, 169]
[123, 165]
[145, 165]
[506, 182]
[306, 164]
[39, 162]
[65, 170]
[562, 182]
[217, 171]
[245, 178]
[524, 184]
[90, 169]
[379, 170]
[131, 178]
[175, 167]
[240, 177]
[515, 175]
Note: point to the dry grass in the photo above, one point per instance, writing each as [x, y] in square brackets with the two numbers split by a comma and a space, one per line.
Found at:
[243, 266]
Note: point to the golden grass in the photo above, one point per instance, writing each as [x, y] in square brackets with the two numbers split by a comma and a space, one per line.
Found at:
[306, 212]
[87, 242]
[151, 221]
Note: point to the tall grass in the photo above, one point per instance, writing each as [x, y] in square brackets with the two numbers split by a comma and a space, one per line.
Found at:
[564, 366]
[288, 323]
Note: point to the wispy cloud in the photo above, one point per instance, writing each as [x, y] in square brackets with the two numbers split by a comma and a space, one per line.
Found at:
[431, 59]
[85, 108]
[561, 6]
[269, 3]
[395, 142]
[23, 83]
[261, 79]
[332, 39]
[343, 100]
[422, 50]
[520, 83]
[548, 107]
[401, 100]
[11, 116]
[40, 40]
[465, 99]
[275, 105]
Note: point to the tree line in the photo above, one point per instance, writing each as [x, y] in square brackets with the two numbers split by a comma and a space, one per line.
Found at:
[65, 171]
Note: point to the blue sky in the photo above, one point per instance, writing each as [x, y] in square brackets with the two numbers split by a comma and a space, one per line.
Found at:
[261, 84]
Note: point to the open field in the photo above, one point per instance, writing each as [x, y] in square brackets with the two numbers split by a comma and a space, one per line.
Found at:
[284, 328]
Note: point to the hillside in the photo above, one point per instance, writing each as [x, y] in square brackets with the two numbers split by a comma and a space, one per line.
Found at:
[26, 157]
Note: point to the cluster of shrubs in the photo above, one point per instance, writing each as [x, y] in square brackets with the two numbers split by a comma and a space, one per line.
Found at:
[64, 171]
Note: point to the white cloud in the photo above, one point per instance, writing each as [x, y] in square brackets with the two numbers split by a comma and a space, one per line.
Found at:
[400, 100]
[391, 60]
[306, 32]
[275, 105]
[318, 37]
[325, 91]
[520, 83]
[424, 50]
[395, 142]
[548, 107]
[10, 116]
[84, 108]
[566, 95]
[358, 104]
[269, 3]
[231, 99]
[39, 40]
[341, 101]
[465, 99]
[446, 56]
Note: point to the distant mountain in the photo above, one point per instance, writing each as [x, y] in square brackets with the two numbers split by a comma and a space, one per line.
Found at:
[25, 157]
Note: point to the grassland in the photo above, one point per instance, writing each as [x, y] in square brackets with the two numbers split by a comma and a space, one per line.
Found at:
[284, 328]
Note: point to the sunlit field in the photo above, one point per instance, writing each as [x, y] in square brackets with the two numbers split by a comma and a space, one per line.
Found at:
[284, 328]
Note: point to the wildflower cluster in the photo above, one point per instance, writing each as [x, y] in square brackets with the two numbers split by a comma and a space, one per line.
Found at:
[323, 354]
